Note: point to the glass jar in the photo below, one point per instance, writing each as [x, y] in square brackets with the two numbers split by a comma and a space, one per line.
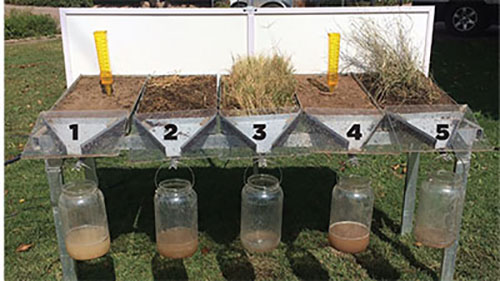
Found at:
[261, 213]
[351, 214]
[176, 218]
[440, 199]
[84, 220]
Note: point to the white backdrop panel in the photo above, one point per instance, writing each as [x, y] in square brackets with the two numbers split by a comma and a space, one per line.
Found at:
[205, 41]
[303, 35]
[153, 42]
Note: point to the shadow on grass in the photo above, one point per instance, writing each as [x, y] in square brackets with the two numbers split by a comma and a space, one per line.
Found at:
[379, 220]
[304, 265]
[99, 269]
[168, 269]
[234, 264]
[376, 265]
[129, 200]
[467, 69]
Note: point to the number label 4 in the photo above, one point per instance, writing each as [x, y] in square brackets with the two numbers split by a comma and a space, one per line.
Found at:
[355, 132]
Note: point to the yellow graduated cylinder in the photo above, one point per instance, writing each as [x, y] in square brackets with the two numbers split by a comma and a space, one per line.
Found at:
[333, 60]
[101, 44]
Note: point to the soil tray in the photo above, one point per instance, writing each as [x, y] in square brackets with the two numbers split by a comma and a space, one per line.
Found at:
[342, 120]
[260, 128]
[423, 125]
[85, 121]
[175, 110]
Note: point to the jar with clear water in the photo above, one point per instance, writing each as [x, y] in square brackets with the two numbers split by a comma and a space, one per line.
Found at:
[441, 197]
[351, 214]
[176, 218]
[261, 213]
[84, 220]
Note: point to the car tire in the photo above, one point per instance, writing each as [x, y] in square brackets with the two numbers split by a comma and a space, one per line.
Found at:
[239, 5]
[272, 5]
[466, 19]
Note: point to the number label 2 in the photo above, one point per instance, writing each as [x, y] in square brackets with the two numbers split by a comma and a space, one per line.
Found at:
[74, 131]
[260, 134]
[170, 132]
[442, 131]
[355, 132]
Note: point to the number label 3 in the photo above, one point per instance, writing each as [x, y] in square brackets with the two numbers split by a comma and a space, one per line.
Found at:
[260, 134]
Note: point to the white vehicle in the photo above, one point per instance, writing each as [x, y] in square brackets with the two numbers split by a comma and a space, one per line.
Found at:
[464, 17]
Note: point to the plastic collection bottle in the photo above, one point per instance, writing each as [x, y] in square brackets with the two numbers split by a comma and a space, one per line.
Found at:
[85, 225]
[441, 196]
[351, 214]
[176, 218]
[261, 213]
[84, 220]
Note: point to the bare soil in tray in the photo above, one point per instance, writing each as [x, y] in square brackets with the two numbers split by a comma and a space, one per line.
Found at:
[313, 92]
[179, 93]
[87, 94]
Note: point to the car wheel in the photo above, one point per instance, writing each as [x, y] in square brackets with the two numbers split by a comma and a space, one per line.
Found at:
[272, 5]
[465, 19]
[239, 5]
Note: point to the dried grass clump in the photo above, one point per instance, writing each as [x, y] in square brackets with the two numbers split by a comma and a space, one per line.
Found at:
[258, 83]
[392, 73]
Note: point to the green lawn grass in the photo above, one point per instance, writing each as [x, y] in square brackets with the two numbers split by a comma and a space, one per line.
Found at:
[34, 80]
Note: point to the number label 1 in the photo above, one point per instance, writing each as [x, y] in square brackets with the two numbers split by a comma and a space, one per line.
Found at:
[170, 132]
[442, 131]
[260, 134]
[355, 132]
[74, 130]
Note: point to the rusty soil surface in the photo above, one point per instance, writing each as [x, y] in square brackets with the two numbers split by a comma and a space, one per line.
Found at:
[176, 93]
[313, 92]
[88, 95]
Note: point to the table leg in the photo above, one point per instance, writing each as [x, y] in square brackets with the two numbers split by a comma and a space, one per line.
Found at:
[53, 168]
[410, 192]
[462, 166]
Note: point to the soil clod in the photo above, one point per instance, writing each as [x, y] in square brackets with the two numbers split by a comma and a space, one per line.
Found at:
[322, 87]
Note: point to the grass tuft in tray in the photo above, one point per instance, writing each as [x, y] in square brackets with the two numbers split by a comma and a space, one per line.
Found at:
[391, 66]
[259, 82]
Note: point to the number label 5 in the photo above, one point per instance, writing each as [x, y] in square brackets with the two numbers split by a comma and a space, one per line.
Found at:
[259, 134]
[442, 131]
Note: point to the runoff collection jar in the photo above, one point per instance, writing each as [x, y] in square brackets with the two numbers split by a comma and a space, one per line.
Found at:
[261, 213]
[351, 214]
[176, 218]
[440, 199]
[84, 221]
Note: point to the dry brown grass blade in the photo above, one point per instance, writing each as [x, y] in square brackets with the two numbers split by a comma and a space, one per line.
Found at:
[24, 247]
